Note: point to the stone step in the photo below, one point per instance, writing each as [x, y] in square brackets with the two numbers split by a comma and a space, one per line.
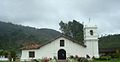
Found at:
[61, 61]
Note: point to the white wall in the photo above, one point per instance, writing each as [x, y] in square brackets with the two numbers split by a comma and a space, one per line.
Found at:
[50, 50]
[2, 58]
[92, 48]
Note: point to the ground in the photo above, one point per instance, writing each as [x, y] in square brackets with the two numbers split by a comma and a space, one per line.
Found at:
[112, 60]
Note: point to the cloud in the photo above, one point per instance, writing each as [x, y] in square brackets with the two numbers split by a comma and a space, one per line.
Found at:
[48, 13]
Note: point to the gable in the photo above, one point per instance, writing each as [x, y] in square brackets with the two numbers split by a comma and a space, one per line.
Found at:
[66, 37]
[67, 41]
[70, 39]
[60, 37]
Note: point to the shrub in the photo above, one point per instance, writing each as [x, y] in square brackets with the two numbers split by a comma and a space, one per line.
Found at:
[76, 56]
[103, 58]
[71, 57]
[117, 54]
[35, 60]
[82, 59]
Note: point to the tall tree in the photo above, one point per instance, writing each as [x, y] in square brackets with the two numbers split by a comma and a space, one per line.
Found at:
[73, 29]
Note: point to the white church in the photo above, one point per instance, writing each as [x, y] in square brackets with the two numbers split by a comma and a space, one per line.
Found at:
[63, 46]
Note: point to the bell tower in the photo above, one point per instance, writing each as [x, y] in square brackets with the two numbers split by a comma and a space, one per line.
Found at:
[91, 40]
[90, 32]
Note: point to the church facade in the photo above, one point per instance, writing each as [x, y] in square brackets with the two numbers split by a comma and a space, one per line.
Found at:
[64, 46]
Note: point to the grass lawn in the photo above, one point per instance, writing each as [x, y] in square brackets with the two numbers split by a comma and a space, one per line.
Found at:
[4, 61]
[112, 60]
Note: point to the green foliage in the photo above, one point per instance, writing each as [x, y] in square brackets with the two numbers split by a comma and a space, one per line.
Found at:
[104, 58]
[12, 55]
[117, 54]
[112, 60]
[73, 29]
[82, 59]
[4, 53]
[8, 54]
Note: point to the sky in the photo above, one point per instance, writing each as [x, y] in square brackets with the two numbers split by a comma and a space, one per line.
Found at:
[48, 13]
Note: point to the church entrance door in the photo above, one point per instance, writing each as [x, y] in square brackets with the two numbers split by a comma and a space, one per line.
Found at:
[61, 54]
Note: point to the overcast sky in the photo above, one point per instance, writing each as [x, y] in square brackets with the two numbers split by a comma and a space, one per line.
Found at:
[48, 13]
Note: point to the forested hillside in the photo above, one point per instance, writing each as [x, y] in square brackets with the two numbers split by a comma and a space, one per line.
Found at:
[110, 41]
[13, 36]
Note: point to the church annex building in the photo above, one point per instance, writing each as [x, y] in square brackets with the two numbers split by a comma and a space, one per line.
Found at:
[64, 46]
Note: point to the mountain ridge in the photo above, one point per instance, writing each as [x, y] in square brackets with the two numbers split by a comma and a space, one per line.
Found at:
[15, 35]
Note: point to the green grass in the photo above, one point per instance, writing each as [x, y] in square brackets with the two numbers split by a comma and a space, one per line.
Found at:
[112, 60]
[4, 61]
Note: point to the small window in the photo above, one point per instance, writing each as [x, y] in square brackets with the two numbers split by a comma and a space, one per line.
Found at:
[61, 43]
[91, 32]
[31, 54]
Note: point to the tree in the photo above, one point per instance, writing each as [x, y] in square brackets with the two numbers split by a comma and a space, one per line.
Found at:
[4, 53]
[73, 29]
[12, 55]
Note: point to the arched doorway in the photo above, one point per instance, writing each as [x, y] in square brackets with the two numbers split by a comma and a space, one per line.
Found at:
[61, 54]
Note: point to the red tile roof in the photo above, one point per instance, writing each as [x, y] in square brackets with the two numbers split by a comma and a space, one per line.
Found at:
[31, 46]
